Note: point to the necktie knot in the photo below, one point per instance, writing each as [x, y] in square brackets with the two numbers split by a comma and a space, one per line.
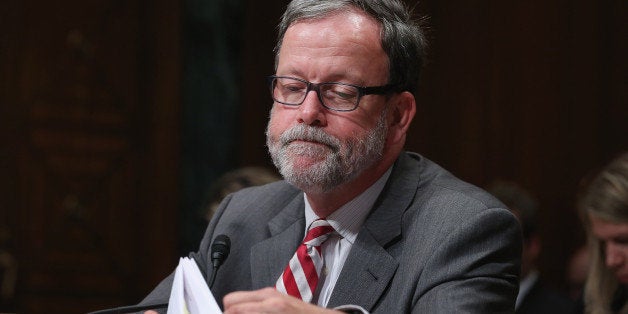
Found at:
[318, 233]
[300, 278]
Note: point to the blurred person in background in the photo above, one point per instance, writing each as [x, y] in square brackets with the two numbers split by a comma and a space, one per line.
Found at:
[603, 206]
[577, 271]
[534, 296]
[233, 181]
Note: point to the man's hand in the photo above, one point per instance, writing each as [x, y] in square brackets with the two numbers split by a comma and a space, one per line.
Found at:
[268, 300]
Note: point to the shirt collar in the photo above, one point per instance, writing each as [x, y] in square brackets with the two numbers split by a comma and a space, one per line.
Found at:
[525, 286]
[348, 219]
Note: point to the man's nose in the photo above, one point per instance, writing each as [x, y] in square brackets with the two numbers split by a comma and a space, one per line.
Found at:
[311, 111]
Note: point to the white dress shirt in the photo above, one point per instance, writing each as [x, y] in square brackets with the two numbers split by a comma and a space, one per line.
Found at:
[347, 221]
[525, 285]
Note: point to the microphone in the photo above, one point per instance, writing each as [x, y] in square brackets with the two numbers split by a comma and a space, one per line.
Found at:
[219, 253]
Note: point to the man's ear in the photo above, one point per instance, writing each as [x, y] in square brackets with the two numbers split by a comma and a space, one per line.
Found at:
[402, 110]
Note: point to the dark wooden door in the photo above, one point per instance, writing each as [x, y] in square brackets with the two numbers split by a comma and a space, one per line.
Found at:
[89, 113]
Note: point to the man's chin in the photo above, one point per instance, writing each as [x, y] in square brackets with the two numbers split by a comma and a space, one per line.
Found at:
[306, 176]
[304, 160]
[306, 163]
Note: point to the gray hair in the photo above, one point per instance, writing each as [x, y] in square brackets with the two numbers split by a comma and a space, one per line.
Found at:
[402, 38]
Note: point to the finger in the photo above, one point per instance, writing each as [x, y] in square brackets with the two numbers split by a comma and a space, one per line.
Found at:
[277, 303]
[248, 308]
[239, 297]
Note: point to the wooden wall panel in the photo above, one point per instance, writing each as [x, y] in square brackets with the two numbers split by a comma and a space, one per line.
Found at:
[258, 38]
[90, 92]
[548, 101]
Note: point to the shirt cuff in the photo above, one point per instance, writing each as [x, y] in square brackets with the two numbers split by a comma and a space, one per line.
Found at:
[351, 309]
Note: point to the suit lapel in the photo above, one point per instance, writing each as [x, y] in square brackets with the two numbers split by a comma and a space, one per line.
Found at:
[369, 270]
[269, 257]
[369, 266]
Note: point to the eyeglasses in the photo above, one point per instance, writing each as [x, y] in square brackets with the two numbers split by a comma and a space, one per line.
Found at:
[332, 95]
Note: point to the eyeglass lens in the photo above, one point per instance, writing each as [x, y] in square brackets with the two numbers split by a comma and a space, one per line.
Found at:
[335, 96]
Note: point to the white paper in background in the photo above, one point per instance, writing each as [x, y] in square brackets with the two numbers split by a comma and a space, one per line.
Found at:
[190, 293]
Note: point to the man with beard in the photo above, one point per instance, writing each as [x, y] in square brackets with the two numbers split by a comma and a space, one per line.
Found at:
[398, 234]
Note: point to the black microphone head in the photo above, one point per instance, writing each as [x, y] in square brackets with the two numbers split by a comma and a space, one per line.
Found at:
[220, 249]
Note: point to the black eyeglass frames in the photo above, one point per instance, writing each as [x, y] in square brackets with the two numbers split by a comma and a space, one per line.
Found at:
[335, 96]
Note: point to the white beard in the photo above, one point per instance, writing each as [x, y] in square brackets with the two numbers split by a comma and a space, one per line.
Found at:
[339, 161]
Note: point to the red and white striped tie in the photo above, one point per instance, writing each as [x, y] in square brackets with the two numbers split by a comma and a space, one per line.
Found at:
[300, 277]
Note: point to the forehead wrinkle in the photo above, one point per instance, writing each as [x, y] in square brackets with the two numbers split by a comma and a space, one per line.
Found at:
[318, 41]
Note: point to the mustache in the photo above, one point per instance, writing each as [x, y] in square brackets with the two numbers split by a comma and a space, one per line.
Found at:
[311, 134]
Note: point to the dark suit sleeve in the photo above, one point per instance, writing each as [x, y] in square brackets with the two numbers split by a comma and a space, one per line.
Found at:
[475, 267]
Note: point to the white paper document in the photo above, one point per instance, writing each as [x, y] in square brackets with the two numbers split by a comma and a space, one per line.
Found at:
[190, 293]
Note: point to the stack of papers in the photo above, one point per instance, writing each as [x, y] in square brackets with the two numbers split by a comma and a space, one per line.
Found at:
[190, 293]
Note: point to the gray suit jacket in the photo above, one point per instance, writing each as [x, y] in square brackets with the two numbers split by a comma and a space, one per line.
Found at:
[432, 244]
